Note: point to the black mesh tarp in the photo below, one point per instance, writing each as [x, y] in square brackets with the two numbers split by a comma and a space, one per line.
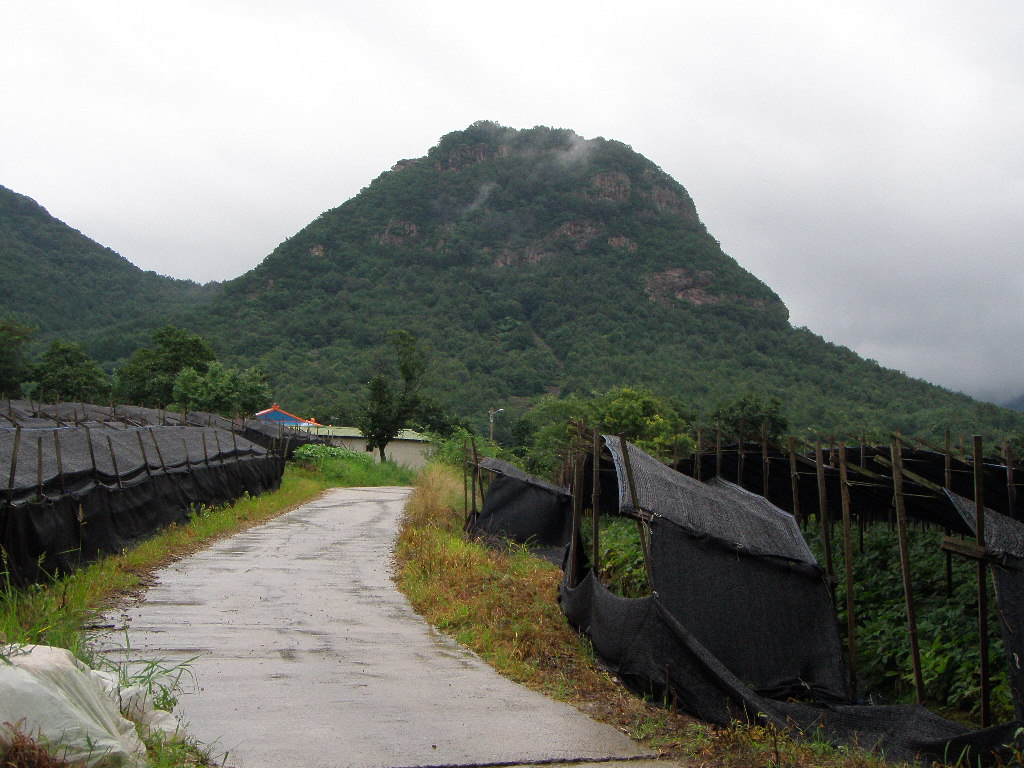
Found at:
[525, 509]
[70, 493]
[741, 624]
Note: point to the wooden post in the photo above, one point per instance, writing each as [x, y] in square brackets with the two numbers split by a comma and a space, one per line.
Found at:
[718, 451]
[220, 453]
[644, 544]
[159, 454]
[14, 461]
[740, 456]
[476, 474]
[39, 467]
[896, 453]
[948, 466]
[851, 618]
[188, 461]
[794, 479]
[60, 459]
[113, 461]
[764, 458]
[863, 450]
[577, 511]
[595, 500]
[826, 533]
[92, 456]
[979, 524]
[465, 478]
[206, 455]
[699, 455]
[1011, 489]
[145, 459]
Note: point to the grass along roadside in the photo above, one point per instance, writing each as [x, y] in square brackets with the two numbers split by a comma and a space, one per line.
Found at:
[503, 606]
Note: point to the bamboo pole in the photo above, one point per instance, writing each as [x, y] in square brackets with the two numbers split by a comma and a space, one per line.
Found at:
[851, 617]
[979, 511]
[826, 533]
[896, 452]
[465, 479]
[948, 471]
[206, 455]
[764, 458]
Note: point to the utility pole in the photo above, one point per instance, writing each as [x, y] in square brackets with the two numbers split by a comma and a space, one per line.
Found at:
[490, 416]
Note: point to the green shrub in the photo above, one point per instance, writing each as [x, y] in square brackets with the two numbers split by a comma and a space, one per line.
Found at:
[342, 467]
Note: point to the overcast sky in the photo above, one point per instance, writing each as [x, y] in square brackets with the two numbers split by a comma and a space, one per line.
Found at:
[864, 159]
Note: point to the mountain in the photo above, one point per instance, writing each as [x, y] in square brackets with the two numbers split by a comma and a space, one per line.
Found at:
[537, 261]
[1017, 404]
[56, 278]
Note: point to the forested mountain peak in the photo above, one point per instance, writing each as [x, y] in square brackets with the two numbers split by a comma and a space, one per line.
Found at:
[536, 261]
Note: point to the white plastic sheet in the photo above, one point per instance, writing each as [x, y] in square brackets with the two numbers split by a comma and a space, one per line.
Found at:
[60, 703]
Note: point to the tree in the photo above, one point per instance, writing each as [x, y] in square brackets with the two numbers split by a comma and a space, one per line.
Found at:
[648, 421]
[148, 377]
[66, 372]
[14, 367]
[747, 413]
[389, 405]
[227, 391]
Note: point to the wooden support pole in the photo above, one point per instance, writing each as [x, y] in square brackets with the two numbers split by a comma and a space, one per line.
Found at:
[577, 513]
[826, 532]
[465, 479]
[595, 500]
[764, 459]
[220, 453]
[92, 456]
[188, 461]
[145, 459]
[863, 450]
[851, 616]
[699, 455]
[39, 467]
[896, 453]
[113, 462]
[159, 454]
[979, 524]
[475, 477]
[60, 459]
[14, 462]
[718, 451]
[644, 544]
[794, 480]
[740, 455]
[948, 467]
[1011, 488]
[206, 455]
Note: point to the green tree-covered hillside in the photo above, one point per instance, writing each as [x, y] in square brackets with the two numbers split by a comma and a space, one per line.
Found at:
[56, 279]
[533, 262]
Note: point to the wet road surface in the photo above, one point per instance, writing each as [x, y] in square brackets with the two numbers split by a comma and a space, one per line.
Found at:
[306, 655]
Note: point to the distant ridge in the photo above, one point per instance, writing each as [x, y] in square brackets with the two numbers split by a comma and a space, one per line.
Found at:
[54, 277]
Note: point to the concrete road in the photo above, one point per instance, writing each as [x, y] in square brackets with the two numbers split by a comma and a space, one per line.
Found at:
[306, 655]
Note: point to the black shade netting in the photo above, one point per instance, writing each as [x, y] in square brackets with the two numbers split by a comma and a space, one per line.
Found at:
[525, 509]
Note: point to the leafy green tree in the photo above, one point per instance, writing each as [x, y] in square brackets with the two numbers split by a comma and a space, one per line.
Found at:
[14, 366]
[390, 404]
[227, 391]
[650, 422]
[66, 372]
[747, 412]
[148, 377]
